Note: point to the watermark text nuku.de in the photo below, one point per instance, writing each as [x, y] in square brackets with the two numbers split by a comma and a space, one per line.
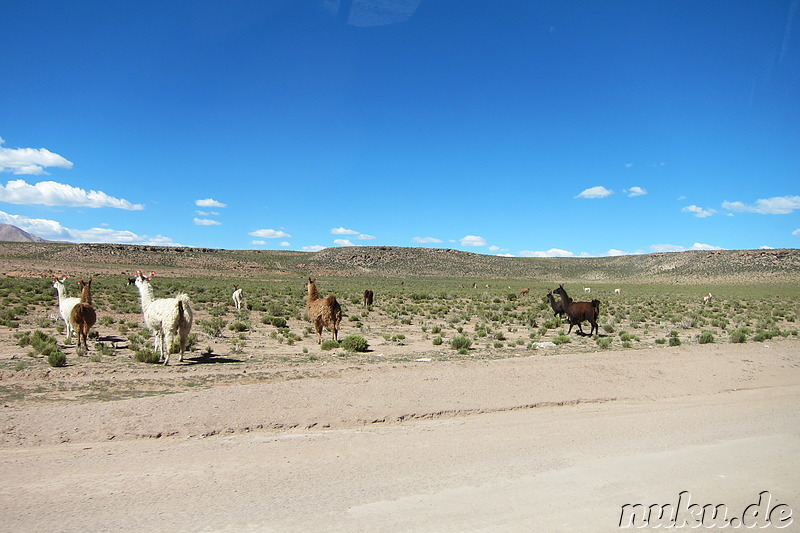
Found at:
[686, 514]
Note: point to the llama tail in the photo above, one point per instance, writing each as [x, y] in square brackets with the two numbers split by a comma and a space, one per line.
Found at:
[185, 315]
[596, 304]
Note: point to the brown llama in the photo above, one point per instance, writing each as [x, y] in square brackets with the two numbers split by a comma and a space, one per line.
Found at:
[83, 315]
[524, 291]
[577, 312]
[556, 305]
[323, 312]
[368, 297]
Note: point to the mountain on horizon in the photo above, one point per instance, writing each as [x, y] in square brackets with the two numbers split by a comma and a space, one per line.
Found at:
[9, 233]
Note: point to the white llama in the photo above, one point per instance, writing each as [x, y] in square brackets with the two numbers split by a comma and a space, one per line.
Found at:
[65, 304]
[167, 318]
[237, 297]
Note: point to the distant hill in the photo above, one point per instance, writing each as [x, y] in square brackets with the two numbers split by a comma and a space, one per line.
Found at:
[693, 267]
[9, 233]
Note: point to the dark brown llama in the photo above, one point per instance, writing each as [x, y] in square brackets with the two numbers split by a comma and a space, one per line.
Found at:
[83, 315]
[577, 312]
[368, 297]
[524, 291]
[556, 305]
[323, 312]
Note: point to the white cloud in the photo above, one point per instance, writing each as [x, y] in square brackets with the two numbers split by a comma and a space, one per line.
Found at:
[30, 161]
[472, 240]
[595, 192]
[209, 202]
[206, 213]
[497, 249]
[777, 205]
[284, 244]
[343, 242]
[206, 222]
[258, 242]
[505, 255]
[635, 191]
[616, 253]
[552, 252]
[364, 237]
[269, 234]
[667, 248]
[343, 231]
[699, 212]
[679, 248]
[796, 232]
[628, 165]
[426, 240]
[313, 248]
[54, 231]
[701, 246]
[58, 194]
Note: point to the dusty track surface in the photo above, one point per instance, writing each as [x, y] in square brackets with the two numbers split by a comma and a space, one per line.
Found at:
[539, 443]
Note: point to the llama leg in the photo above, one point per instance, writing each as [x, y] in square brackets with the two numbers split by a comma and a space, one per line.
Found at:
[182, 345]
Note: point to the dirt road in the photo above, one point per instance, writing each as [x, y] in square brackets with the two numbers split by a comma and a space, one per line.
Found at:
[556, 443]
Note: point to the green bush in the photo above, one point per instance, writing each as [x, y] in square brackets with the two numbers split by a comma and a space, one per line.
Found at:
[437, 340]
[238, 327]
[355, 343]
[146, 355]
[57, 358]
[278, 322]
[738, 336]
[460, 343]
[674, 340]
[212, 327]
[561, 339]
[329, 345]
[604, 342]
[705, 337]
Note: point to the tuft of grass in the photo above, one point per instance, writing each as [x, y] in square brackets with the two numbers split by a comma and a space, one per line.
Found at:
[329, 345]
[355, 343]
[560, 339]
[57, 358]
[146, 355]
[460, 343]
[705, 337]
[738, 336]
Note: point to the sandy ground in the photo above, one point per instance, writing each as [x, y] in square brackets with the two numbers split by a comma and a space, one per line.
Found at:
[538, 443]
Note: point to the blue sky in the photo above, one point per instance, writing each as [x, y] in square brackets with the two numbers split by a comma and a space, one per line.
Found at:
[520, 128]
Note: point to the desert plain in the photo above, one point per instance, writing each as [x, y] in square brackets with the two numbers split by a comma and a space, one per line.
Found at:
[258, 432]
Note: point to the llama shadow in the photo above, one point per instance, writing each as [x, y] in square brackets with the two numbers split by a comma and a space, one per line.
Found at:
[209, 358]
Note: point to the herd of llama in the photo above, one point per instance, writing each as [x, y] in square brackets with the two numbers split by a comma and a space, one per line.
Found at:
[170, 319]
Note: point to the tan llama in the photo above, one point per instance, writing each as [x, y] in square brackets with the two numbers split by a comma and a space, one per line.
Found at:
[323, 312]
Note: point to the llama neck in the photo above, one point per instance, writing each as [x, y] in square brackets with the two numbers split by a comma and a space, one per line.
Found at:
[145, 293]
[312, 292]
[86, 295]
[60, 290]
